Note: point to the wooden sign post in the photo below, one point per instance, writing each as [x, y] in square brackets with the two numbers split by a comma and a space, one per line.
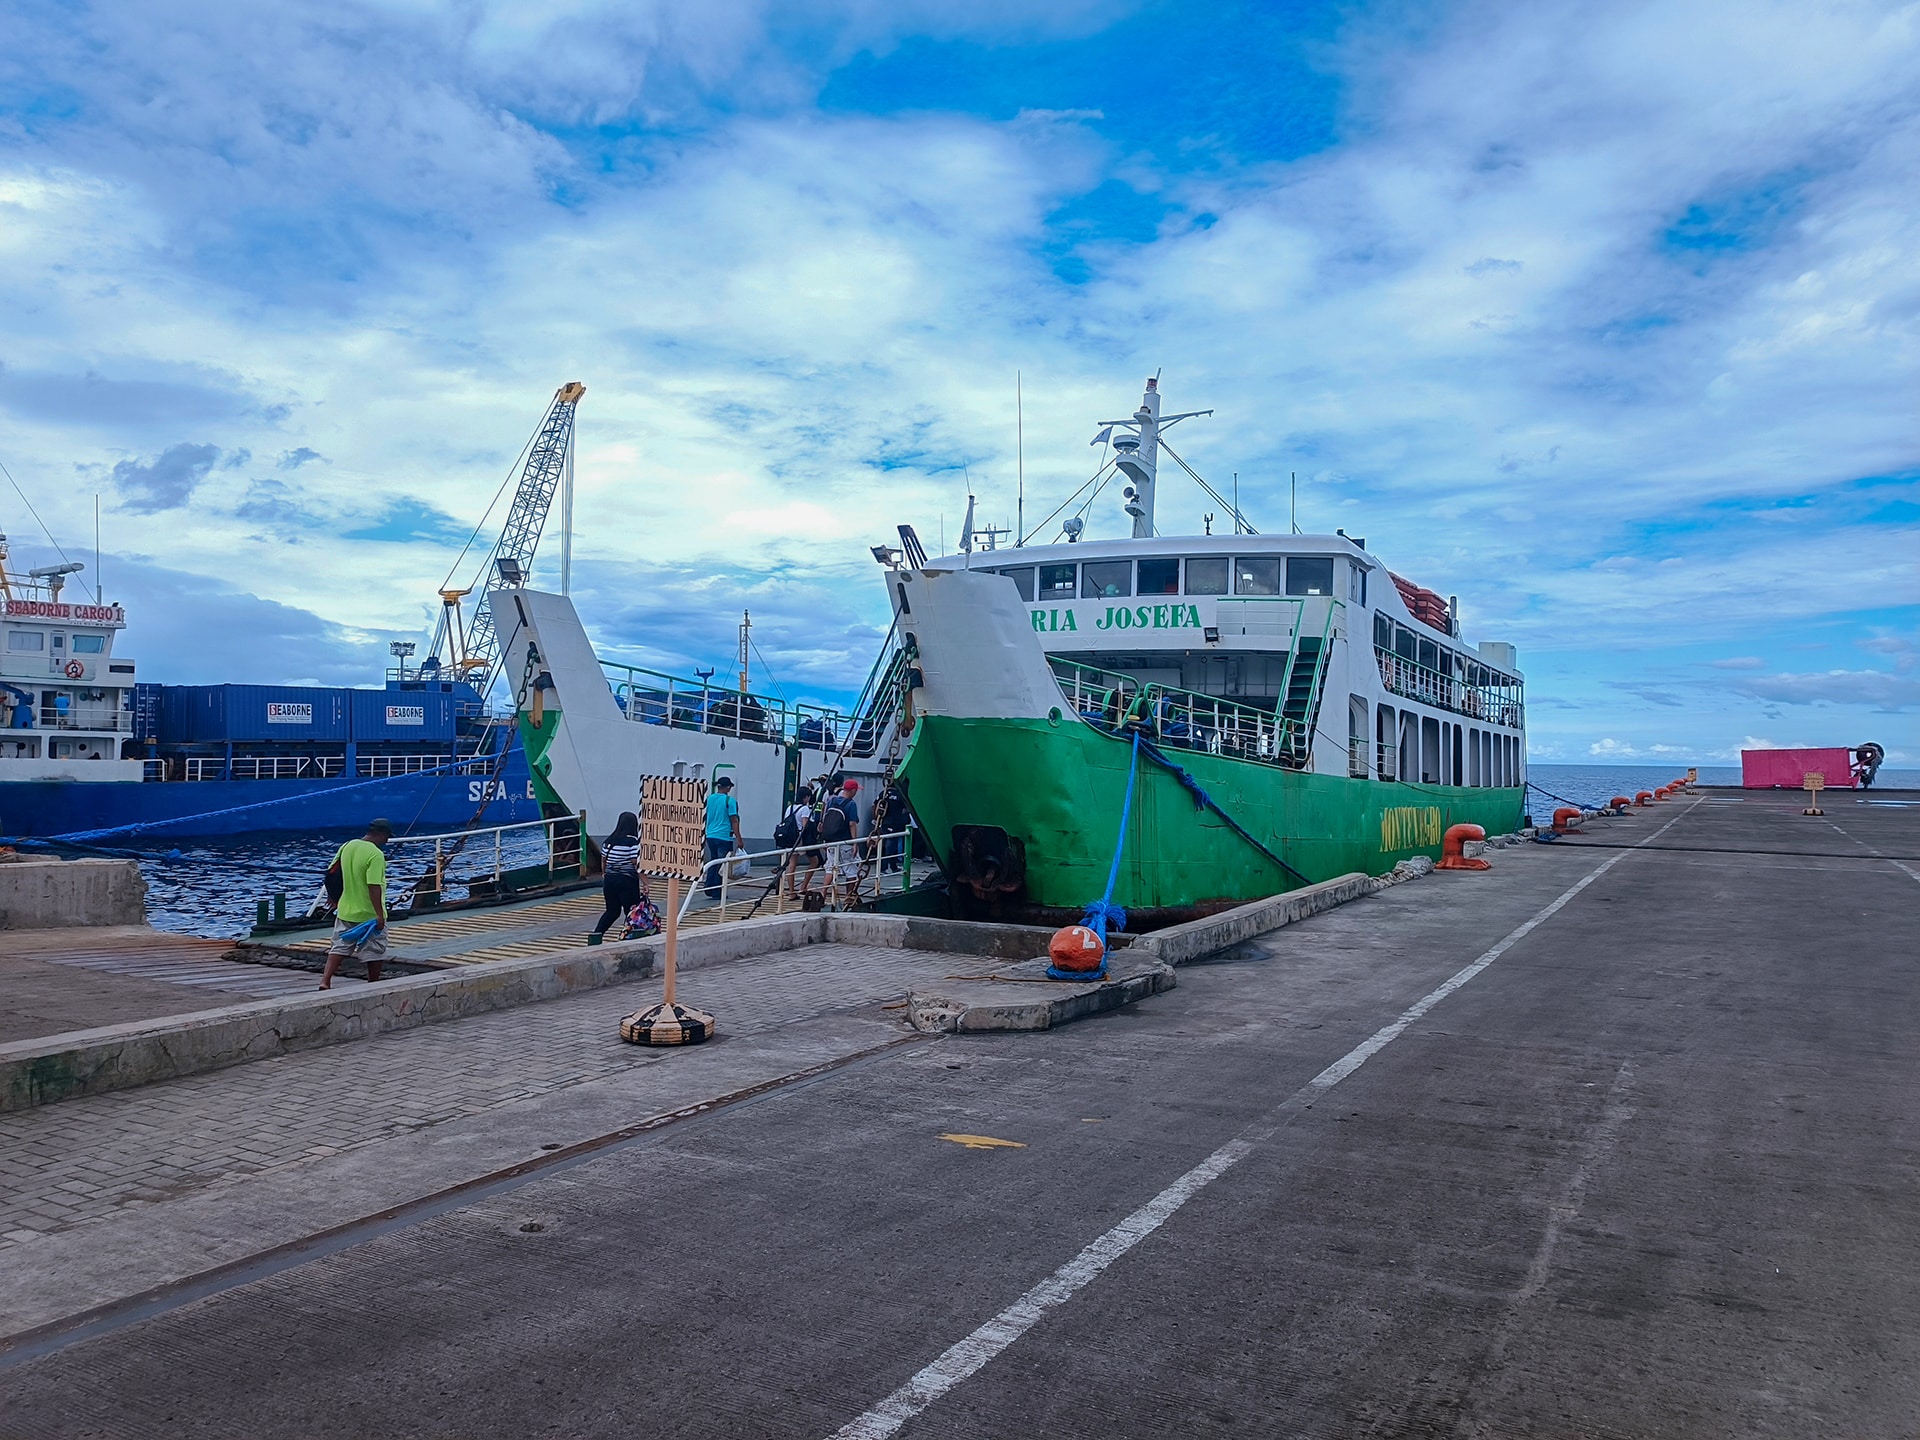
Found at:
[673, 829]
[1813, 783]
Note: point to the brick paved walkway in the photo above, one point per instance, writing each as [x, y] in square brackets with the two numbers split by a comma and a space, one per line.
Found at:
[66, 1164]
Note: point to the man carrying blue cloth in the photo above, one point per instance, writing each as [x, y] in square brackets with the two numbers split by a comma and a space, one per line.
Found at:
[360, 911]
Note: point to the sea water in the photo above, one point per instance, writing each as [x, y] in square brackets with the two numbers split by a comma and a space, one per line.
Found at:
[211, 886]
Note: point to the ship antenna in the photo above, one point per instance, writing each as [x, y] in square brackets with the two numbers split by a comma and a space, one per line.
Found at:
[1019, 460]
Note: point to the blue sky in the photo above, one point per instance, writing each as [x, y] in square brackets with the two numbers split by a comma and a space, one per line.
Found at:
[1606, 319]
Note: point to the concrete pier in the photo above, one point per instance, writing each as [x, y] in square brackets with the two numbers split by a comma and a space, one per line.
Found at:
[1613, 1139]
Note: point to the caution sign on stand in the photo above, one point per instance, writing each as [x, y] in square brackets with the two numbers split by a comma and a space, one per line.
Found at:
[1813, 782]
[673, 830]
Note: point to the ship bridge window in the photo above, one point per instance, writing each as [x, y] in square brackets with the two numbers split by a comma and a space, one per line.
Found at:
[1159, 577]
[1207, 575]
[26, 640]
[1357, 584]
[1106, 579]
[1310, 575]
[1256, 575]
[89, 644]
[1022, 577]
[1057, 582]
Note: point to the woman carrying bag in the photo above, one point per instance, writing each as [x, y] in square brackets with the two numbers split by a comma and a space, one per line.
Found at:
[621, 885]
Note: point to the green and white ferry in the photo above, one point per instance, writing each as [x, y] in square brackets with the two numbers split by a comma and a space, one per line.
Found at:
[1266, 711]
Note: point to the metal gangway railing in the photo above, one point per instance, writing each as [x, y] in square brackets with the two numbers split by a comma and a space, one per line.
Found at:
[851, 873]
[525, 848]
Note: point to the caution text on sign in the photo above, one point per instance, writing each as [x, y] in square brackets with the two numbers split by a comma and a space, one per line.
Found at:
[673, 827]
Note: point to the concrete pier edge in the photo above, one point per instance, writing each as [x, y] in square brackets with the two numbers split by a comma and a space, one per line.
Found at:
[49, 1068]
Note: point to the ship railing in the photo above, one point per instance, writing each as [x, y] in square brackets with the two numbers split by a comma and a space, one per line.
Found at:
[759, 882]
[1118, 704]
[380, 767]
[1357, 759]
[257, 767]
[523, 854]
[1497, 704]
[856, 734]
[653, 697]
[1389, 757]
[106, 718]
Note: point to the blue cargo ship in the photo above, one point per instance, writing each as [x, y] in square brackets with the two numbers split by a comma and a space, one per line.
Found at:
[89, 752]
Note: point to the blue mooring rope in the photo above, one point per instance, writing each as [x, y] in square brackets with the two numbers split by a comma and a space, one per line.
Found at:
[1103, 912]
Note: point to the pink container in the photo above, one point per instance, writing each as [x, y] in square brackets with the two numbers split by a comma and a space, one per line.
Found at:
[1788, 769]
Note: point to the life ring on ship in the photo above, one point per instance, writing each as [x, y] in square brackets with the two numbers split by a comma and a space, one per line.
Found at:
[75, 669]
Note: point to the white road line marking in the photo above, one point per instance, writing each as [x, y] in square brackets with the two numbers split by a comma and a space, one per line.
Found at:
[968, 1356]
[1875, 851]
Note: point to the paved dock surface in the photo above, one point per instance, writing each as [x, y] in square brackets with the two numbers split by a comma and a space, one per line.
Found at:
[52, 981]
[1610, 1141]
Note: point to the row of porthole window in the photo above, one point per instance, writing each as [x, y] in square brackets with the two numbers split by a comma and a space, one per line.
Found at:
[35, 640]
[1203, 575]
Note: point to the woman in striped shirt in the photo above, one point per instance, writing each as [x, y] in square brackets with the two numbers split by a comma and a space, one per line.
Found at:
[621, 887]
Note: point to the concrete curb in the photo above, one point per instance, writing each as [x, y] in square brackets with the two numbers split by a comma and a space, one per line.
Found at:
[1021, 997]
[1178, 944]
[88, 1062]
[1144, 967]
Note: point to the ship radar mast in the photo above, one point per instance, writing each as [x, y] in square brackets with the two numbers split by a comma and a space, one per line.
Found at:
[1137, 453]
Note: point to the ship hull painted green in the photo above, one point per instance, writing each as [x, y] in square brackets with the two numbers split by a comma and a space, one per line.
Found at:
[1060, 789]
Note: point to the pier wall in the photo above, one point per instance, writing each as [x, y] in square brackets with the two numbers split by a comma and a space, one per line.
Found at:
[55, 894]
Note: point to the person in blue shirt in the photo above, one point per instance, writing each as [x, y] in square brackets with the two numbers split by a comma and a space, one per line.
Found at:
[723, 831]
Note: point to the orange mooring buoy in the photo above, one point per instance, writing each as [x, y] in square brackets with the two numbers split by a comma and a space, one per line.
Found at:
[1453, 852]
[1076, 949]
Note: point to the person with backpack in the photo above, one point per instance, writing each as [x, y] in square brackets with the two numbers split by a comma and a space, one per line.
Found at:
[840, 829]
[357, 883]
[620, 886]
[788, 835]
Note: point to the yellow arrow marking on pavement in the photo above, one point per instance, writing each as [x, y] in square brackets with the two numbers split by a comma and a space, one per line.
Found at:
[985, 1142]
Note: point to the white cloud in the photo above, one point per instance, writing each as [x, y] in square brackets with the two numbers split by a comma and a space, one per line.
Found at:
[372, 234]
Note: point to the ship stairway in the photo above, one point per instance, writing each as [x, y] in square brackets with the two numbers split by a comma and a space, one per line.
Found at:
[1300, 704]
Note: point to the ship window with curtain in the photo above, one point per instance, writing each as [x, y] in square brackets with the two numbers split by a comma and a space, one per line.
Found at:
[1207, 575]
[1310, 575]
[89, 644]
[25, 640]
[1159, 577]
[1022, 577]
[1430, 654]
[1058, 582]
[1403, 642]
[1256, 575]
[1383, 632]
[1106, 579]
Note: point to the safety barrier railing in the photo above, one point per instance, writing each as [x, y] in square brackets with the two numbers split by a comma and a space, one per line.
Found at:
[534, 851]
[851, 872]
[653, 697]
[1179, 719]
[105, 718]
[1496, 704]
[380, 767]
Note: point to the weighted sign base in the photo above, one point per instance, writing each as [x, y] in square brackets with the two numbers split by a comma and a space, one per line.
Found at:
[667, 1024]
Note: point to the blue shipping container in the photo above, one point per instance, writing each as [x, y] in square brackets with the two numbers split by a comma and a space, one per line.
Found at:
[396, 714]
[271, 714]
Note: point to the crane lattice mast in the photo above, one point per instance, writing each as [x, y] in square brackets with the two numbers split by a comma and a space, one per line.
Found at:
[511, 560]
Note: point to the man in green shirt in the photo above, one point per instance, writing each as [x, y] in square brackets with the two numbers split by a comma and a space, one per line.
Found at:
[362, 867]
